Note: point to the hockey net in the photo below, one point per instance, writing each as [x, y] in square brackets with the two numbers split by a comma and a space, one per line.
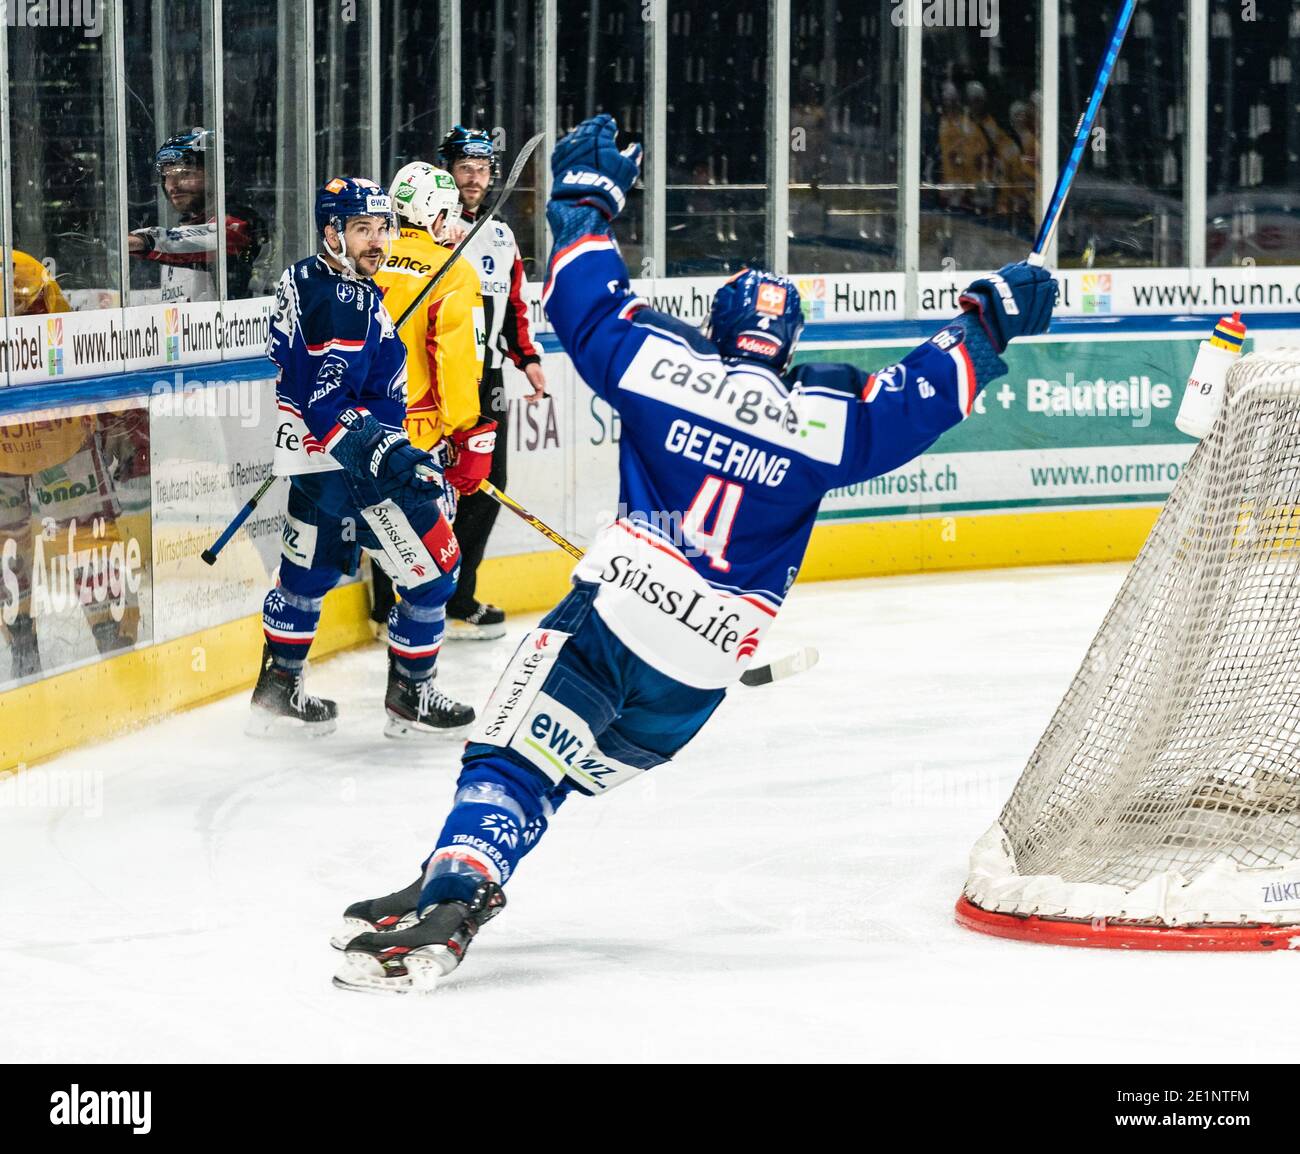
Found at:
[1161, 807]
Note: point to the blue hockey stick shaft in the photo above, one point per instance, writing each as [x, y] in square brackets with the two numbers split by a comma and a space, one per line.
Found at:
[1081, 135]
[210, 553]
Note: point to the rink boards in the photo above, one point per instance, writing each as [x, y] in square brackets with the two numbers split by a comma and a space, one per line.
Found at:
[1069, 461]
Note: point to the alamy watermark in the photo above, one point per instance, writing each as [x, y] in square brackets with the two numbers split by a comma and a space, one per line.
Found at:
[187, 397]
[43, 788]
[981, 14]
[88, 15]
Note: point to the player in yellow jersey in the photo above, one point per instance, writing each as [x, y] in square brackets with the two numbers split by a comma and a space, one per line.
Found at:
[58, 473]
[444, 341]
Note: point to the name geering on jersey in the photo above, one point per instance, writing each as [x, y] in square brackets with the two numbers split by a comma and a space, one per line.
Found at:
[722, 465]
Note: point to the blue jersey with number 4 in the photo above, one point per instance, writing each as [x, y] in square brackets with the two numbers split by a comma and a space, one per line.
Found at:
[722, 465]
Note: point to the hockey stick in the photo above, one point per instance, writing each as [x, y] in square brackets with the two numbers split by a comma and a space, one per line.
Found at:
[786, 666]
[501, 197]
[210, 553]
[536, 522]
[1066, 180]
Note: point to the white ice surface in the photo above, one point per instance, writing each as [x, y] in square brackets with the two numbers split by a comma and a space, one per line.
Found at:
[783, 892]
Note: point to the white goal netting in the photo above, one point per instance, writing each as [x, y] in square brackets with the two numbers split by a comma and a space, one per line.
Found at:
[1166, 789]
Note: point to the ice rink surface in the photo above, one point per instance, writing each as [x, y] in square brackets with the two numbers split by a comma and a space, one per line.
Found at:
[783, 892]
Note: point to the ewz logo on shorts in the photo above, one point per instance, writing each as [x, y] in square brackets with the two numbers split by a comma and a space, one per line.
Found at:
[561, 744]
[522, 716]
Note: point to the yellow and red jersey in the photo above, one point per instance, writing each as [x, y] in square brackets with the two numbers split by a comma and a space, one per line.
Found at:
[444, 339]
[35, 291]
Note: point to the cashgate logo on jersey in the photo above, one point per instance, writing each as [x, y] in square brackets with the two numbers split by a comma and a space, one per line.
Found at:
[54, 346]
[737, 397]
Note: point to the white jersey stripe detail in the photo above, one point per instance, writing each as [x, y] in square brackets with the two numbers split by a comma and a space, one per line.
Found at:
[601, 244]
[965, 379]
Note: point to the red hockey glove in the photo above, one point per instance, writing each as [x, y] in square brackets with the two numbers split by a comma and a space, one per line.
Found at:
[471, 457]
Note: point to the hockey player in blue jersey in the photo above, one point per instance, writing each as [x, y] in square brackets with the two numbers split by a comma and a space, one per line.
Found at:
[725, 455]
[356, 479]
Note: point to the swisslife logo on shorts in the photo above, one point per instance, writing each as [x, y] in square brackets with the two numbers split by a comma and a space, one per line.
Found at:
[54, 346]
[172, 328]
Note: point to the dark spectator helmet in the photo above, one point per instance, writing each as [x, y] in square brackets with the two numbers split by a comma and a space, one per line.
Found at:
[463, 143]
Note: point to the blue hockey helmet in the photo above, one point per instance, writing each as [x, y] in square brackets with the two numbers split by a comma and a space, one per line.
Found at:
[347, 196]
[185, 148]
[756, 316]
[463, 143]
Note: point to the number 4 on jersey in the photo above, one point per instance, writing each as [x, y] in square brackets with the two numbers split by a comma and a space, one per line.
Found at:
[713, 542]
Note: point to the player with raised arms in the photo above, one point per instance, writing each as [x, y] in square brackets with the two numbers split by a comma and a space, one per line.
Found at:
[729, 451]
[357, 481]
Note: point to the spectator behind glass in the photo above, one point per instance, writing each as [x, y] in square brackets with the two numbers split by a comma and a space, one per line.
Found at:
[188, 252]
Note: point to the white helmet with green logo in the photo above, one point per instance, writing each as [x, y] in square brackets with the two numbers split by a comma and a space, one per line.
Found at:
[420, 192]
